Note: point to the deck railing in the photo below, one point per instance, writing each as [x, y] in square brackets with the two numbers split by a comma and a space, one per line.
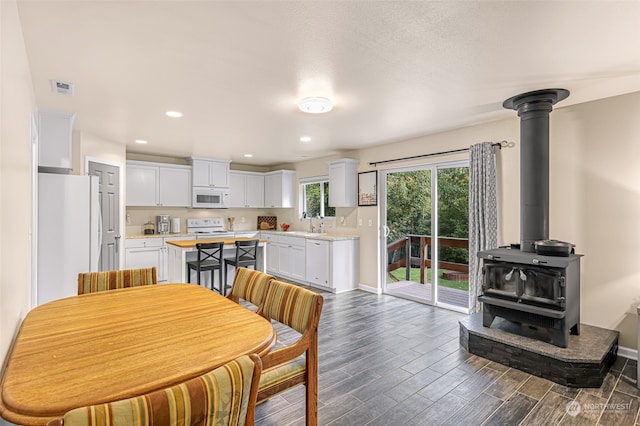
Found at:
[423, 261]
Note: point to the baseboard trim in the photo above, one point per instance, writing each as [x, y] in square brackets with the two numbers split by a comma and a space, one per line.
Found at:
[369, 289]
[628, 352]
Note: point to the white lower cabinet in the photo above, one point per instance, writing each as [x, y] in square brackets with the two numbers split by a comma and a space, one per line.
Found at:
[329, 264]
[150, 252]
[286, 256]
[145, 253]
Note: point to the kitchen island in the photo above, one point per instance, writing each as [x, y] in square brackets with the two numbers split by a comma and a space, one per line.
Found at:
[181, 251]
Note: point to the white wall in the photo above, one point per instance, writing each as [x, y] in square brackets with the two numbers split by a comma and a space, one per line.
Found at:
[595, 201]
[17, 103]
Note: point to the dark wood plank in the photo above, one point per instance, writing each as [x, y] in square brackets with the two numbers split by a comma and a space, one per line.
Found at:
[620, 410]
[549, 410]
[535, 387]
[508, 383]
[512, 411]
[476, 411]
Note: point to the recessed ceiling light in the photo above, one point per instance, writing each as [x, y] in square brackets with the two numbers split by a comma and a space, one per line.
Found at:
[141, 141]
[248, 155]
[174, 114]
[305, 139]
[315, 105]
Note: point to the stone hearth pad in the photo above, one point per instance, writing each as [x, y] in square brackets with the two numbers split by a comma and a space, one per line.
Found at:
[584, 363]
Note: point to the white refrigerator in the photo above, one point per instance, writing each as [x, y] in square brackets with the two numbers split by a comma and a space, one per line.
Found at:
[69, 233]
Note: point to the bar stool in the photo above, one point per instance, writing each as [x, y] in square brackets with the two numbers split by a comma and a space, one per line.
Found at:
[209, 259]
[246, 255]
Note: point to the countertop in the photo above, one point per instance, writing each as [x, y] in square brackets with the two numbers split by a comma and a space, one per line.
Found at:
[313, 235]
[327, 236]
[183, 234]
[192, 243]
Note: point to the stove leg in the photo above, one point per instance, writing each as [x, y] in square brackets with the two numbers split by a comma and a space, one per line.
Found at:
[487, 317]
[558, 337]
[575, 330]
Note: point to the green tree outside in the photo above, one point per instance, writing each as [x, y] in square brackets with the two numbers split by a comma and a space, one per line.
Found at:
[409, 209]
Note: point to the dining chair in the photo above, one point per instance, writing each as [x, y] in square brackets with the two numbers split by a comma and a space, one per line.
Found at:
[249, 285]
[225, 396]
[93, 282]
[246, 255]
[285, 367]
[209, 259]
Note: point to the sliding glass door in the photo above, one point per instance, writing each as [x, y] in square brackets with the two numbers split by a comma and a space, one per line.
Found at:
[424, 210]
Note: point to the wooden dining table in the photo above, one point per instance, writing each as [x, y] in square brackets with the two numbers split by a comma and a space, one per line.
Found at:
[117, 344]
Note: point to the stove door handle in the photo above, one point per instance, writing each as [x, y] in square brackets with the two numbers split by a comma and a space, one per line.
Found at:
[509, 275]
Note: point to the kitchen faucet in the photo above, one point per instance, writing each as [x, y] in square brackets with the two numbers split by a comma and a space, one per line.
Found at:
[307, 215]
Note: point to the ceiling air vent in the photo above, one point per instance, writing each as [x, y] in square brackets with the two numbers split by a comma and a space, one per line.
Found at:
[62, 87]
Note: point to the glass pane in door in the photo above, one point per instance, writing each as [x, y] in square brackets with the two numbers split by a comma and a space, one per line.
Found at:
[453, 237]
[408, 218]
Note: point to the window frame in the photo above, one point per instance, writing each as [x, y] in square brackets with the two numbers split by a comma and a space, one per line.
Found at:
[321, 180]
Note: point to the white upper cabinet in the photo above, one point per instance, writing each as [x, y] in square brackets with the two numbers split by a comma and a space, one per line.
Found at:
[246, 189]
[175, 186]
[210, 172]
[155, 184]
[55, 129]
[279, 189]
[343, 183]
[142, 184]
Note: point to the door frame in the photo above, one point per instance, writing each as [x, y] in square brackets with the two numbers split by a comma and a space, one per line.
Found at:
[382, 185]
[121, 215]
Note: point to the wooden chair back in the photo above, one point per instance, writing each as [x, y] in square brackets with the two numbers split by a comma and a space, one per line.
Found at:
[92, 282]
[283, 368]
[250, 285]
[224, 396]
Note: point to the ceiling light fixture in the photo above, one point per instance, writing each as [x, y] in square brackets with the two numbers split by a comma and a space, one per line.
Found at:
[248, 155]
[174, 114]
[315, 105]
[305, 139]
[141, 141]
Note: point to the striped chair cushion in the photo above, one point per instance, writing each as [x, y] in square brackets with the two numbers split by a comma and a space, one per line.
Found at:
[250, 285]
[283, 373]
[92, 282]
[220, 397]
[288, 304]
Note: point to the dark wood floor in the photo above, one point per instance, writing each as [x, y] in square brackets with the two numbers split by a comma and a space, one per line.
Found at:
[389, 361]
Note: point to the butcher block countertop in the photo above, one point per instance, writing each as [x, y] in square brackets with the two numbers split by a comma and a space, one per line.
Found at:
[192, 243]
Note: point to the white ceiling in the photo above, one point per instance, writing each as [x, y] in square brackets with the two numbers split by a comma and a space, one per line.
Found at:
[396, 69]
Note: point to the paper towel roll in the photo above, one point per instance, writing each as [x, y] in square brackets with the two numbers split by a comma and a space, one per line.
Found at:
[175, 225]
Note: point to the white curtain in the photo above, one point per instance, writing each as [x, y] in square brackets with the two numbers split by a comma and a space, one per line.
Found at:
[483, 213]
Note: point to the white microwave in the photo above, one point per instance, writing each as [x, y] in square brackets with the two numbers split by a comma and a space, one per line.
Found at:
[210, 198]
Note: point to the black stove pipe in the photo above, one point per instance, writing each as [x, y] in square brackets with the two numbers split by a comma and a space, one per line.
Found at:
[533, 109]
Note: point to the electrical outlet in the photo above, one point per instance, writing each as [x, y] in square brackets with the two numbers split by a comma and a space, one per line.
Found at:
[242, 220]
[359, 222]
[128, 219]
[370, 222]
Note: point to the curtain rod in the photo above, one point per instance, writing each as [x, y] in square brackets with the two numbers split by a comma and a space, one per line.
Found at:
[453, 151]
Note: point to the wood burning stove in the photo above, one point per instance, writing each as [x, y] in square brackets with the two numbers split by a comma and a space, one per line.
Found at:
[541, 291]
[518, 284]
